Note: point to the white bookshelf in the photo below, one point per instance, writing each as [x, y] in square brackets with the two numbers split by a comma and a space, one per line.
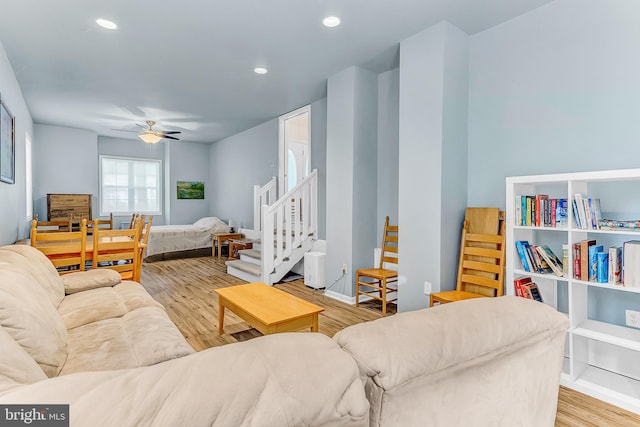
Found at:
[602, 359]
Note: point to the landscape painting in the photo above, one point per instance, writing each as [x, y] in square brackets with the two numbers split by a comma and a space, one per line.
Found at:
[190, 190]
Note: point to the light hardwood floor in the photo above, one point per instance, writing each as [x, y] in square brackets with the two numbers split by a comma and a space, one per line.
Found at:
[186, 289]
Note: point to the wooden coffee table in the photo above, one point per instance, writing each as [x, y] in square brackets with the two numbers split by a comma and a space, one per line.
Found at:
[267, 309]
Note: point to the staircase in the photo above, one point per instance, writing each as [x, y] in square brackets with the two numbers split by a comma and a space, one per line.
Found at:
[284, 231]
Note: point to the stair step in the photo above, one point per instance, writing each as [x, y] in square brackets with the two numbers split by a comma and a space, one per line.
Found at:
[248, 267]
[252, 253]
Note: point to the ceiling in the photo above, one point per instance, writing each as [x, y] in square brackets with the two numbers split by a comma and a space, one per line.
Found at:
[189, 64]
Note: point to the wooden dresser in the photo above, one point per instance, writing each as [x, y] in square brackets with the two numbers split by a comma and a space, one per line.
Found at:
[61, 206]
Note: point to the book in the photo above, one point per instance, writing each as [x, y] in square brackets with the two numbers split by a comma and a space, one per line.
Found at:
[532, 260]
[533, 291]
[562, 213]
[543, 264]
[554, 212]
[528, 211]
[576, 215]
[524, 209]
[565, 260]
[518, 210]
[552, 261]
[588, 213]
[597, 212]
[518, 283]
[523, 257]
[584, 258]
[576, 261]
[602, 259]
[593, 262]
[582, 215]
[631, 264]
[540, 204]
[615, 265]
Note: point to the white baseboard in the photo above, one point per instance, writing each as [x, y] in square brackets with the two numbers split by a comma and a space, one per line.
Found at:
[341, 297]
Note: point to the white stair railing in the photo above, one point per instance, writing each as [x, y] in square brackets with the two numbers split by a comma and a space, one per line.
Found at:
[287, 223]
[265, 195]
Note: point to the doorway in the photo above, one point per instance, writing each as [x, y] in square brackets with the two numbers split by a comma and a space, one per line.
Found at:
[294, 148]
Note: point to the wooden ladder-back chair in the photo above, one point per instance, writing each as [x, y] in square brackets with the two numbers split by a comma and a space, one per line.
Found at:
[52, 226]
[375, 280]
[143, 244]
[105, 224]
[481, 263]
[65, 249]
[118, 250]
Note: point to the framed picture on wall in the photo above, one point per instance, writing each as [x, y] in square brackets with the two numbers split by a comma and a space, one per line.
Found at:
[190, 189]
[7, 145]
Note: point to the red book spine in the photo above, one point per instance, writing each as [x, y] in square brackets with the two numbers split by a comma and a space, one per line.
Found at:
[576, 261]
[554, 205]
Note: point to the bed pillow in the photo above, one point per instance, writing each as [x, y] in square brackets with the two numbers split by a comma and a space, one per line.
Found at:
[213, 223]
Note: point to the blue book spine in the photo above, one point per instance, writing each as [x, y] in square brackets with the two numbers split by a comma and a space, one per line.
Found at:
[593, 262]
[523, 257]
[524, 210]
[576, 216]
[603, 267]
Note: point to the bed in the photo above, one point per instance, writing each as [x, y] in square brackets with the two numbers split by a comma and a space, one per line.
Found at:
[173, 238]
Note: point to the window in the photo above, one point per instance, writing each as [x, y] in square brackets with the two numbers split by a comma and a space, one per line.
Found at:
[129, 185]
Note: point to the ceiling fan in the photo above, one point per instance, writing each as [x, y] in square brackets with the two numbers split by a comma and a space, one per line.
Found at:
[151, 136]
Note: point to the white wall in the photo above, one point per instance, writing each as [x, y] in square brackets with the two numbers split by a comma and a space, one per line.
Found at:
[554, 90]
[65, 160]
[351, 177]
[388, 162]
[13, 211]
[431, 197]
[189, 162]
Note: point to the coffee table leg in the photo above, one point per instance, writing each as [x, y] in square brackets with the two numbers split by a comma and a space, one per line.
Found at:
[314, 327]
[220, 317]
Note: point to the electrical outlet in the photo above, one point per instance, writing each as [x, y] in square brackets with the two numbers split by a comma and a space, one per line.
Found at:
[632, 318]
[427, 288]
[344, 268]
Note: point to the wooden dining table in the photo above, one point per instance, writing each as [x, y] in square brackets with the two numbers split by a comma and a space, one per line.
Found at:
[88, 245]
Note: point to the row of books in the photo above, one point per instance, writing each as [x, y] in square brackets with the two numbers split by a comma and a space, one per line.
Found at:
[586, 212]
[613, 224]
[539, 259]
[541, 211]
[526, 288]
[594, 263]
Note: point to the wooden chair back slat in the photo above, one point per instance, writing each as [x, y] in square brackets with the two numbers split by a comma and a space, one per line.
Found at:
[65, 249]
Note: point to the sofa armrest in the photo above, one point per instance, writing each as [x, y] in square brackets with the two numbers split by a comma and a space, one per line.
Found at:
[91, 279]
[400, 348]
[283, 379]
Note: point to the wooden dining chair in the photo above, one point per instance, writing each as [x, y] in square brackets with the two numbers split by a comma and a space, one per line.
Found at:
[376, 280]
[480, 267]
[118, 250]
[143, 245]
[65, 249]
[52, 226]
[105, 224]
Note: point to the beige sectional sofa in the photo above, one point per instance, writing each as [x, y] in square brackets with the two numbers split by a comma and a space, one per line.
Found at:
[111, 353]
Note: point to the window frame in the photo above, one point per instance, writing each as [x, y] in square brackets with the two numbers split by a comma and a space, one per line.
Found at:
[134, 159]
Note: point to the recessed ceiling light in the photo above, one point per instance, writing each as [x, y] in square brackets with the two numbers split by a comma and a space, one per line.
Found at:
[331, 21]
[260, 70]
[105, 23]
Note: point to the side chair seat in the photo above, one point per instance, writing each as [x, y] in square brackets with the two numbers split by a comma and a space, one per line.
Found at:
[378, 273]
[453, 296]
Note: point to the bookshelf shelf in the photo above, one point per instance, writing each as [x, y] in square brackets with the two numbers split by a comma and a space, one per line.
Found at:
[601, 354]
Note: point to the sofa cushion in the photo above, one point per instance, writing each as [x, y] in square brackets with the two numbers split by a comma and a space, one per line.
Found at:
[91, 306]
[284, 380]
[36, 264]
[27, 315]
[85, 307]
[91, 279]
[405, 336]
[17, 365]
[142, 337]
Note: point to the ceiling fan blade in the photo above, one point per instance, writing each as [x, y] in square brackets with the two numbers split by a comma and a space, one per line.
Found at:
[142, 126]
[171, 137]
[170, 132]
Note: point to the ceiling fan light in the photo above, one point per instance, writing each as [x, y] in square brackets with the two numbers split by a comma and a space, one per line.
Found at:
[105, 23]
[149, 138]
